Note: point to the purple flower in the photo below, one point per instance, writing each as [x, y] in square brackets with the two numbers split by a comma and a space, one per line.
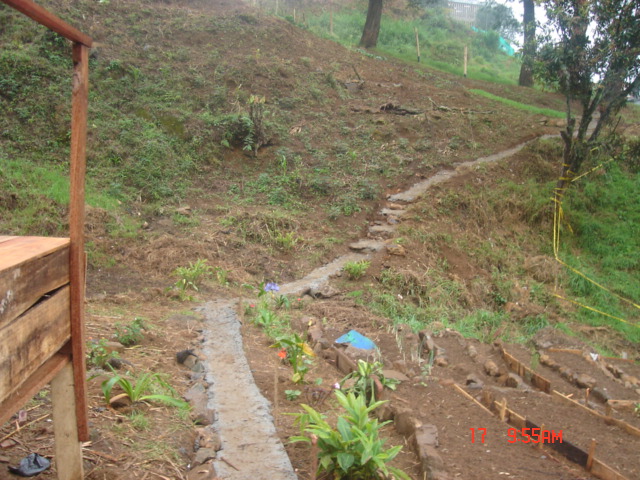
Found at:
[271, 287]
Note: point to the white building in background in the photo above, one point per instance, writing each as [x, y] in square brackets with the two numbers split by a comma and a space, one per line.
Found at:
[465, 10]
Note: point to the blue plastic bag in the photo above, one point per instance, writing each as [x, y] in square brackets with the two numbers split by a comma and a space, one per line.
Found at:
[357, 340]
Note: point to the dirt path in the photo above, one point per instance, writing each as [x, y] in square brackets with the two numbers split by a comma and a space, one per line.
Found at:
[250, 445]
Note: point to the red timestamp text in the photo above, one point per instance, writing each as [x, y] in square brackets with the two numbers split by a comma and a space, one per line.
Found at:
[521, 435]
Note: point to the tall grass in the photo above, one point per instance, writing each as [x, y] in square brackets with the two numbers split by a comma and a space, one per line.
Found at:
[442, 42]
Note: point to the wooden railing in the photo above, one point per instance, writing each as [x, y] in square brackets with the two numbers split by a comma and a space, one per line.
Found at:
[42, 306]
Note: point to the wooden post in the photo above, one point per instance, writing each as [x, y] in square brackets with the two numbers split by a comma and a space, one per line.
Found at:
[276, 13]
[294, 14]
[503, 409]
[466, 52]
[331, 20]
[592, 451]
[68, 448]
[77, 263]
[415, 29]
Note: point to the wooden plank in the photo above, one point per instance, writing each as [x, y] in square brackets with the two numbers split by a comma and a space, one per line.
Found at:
[49, 20]
[17, 250]
[518, 367]
[77, 258]
[22, 285]
[31, 339]
[605, 472]
[33, 385]
[462, 391]
[68, 448]
[630, 429]
[5, 238]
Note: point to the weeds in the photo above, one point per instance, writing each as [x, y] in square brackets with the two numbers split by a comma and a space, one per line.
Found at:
[190, 277]
[356, 270]
[131, 333]
[364, 382]
[98, 354]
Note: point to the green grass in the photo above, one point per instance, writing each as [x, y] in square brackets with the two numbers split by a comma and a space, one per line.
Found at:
[603, 211]
[512, 103]
[442, 42]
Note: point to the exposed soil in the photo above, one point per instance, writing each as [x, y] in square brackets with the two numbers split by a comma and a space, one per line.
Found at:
[165, 445]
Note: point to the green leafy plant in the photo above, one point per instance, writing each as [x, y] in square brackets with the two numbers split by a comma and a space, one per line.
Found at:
[365, 384]
[141, 389]
[353, 450]
[98, 354]
[297, 353]
[292, 394]
[190, 277]
[130, 334]
[356, 270]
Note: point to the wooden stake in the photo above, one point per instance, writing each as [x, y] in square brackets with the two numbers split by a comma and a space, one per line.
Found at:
[462, 391]
[68, 448]
[541, 442]
[592, 451]
[503, 409]
[314, 456]
[331, 20]
[465, 60]
[276, 12]
[275, 397]
[415, 29]
[294, 14]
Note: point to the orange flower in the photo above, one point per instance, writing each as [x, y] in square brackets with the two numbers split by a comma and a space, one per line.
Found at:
[282, 353]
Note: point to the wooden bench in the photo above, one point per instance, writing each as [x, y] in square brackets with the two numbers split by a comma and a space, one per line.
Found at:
[35, 337]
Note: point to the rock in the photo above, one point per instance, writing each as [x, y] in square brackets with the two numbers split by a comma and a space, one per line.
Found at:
[400, 365]
[204, 455]
[441, 361]
[395, 375]
[343, 362]
[446, 382]
[186, 211]
[600, 394]
[385, 412]
[324, 291]
[197, 396]
[513, 380]
[111, 347]
[585, 381]
[367, 246]
[356, 354]
[566, 373]
[473, 381]
[491, 368]
[202, 472]
[384, 231]
[398, 250]
[428, 345]
[547, 360]
[472, 352]
[314, 333]
[425, 443]
[405, 422]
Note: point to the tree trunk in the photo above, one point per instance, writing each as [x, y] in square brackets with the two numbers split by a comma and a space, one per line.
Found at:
[529, 48]
[372, 25]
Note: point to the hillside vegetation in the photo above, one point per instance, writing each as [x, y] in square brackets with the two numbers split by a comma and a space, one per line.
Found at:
[219, 132]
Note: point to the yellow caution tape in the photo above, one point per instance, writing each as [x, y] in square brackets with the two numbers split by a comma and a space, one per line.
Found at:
[558, 216]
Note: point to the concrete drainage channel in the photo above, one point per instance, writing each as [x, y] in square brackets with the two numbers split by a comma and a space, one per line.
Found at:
[242, 441]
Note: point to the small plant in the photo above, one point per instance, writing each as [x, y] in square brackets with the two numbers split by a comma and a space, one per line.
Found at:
[637, 409]
[130, 334]
[356, 270]
[221, 275]
[352, 450]
[140, 390]
[189, 277]
[98, 354]
[282, 301]
[296, 352]
[365, 384]
[292, 394]
[286, 241]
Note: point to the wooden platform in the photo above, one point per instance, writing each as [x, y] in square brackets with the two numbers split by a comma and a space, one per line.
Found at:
[35, 322]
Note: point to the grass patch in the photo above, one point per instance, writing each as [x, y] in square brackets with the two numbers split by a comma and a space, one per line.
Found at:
[522, 106]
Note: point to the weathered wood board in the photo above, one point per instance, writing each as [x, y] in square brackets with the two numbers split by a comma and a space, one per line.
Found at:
[29, 268]
[31, 339]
